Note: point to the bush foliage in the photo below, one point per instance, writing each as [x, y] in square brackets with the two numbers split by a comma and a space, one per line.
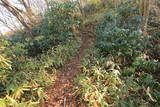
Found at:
[29, 64]
[122, 69]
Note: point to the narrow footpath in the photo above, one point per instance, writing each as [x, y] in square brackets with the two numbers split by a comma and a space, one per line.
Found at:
[62, 93]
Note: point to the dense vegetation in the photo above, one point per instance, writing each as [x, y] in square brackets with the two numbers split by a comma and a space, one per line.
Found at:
[122, 69]
[29, 64]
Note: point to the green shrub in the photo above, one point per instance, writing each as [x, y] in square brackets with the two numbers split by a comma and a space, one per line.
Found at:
[120, 33]
[146, 65]
[61, 18]
[152, 44]
[119, 42]
[39, 45]
[58, 25]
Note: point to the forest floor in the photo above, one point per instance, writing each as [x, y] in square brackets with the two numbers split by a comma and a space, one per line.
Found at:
[62, 93]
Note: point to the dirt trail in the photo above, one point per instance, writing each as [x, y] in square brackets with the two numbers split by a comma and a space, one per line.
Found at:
[62, 93]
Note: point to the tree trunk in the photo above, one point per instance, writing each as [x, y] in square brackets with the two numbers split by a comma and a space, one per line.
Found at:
[26, 17]
[81, 7]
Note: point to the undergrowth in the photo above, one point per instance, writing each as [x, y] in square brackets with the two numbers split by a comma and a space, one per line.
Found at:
[122, 69]
[28, 65]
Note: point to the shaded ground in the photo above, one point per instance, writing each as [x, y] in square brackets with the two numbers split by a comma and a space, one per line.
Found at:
[62, 93]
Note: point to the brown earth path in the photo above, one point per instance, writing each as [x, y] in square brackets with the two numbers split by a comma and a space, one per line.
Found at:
[62, 93]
